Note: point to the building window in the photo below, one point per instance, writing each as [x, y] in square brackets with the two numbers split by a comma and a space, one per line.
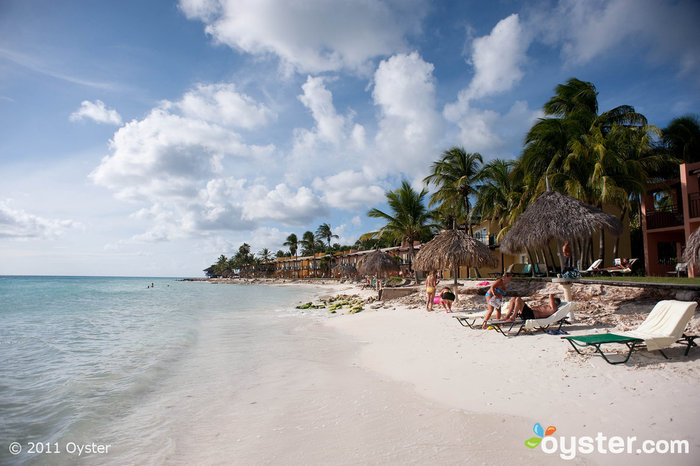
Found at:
[667, 253]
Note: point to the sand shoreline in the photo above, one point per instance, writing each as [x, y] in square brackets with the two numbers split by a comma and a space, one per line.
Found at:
[483, 392]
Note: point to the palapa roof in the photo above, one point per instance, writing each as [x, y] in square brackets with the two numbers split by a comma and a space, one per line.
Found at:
[554, 215]
[453, 248]
[344, 269]
[692, 249]
[377, 263]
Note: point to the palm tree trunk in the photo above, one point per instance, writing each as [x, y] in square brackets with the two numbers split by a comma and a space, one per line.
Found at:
[617, 240]
[410, 261]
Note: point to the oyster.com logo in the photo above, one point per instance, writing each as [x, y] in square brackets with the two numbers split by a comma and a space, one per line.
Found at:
[532, 442]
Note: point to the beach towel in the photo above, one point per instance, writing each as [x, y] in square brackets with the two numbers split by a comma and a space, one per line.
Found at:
[483, 284]
[664, 324]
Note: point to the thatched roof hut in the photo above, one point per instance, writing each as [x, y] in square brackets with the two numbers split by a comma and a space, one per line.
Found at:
[343, 270]
[377, 263]
[692, 249]
[557, 216]
[451, 249]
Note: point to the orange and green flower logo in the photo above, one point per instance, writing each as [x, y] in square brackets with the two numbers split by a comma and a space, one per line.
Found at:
[541, 433]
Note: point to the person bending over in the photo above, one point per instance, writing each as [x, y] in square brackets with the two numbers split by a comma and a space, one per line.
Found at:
[518, 306]
[494, 297]
[446, 298]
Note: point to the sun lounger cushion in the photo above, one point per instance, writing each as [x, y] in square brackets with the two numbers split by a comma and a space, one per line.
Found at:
[564, 309]
[665, 324]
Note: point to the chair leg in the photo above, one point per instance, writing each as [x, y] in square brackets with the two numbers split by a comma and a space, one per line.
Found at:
[690, 340]
[631, 347]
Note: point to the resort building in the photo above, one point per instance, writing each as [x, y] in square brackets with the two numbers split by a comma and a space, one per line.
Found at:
[670, 213]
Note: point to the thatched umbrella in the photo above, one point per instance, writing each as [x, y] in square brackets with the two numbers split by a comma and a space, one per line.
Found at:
[692, 249]
[557, 216]
[377, 263]
[344, 270]
[452, 249]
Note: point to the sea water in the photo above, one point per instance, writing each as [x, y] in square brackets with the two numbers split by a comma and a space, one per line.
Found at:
[96, 370]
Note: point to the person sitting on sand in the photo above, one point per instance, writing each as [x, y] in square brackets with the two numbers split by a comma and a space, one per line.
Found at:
[494, 297]
[430, 285]
[446, 298]
[518, 306]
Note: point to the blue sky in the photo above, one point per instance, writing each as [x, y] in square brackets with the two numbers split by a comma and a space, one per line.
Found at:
[148, 138]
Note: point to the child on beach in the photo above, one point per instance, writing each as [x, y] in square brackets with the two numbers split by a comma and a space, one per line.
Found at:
[494, 297]
[446, 298]
[430, 284]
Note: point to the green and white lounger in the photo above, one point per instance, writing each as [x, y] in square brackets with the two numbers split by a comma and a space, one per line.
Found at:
[662, 328]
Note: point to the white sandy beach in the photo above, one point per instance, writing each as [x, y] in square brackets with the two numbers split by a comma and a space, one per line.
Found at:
[397, 385]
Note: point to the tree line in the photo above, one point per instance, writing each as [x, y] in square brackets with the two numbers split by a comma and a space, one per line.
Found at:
[601, 158]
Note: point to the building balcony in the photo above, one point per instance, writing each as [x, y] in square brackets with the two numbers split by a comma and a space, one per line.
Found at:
[668, 217]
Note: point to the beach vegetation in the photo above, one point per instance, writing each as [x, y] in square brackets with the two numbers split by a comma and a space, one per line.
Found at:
[454, 177]
[604, 159]
[408, 220]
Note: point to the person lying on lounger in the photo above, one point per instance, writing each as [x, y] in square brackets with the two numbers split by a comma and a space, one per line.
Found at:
[518, 307]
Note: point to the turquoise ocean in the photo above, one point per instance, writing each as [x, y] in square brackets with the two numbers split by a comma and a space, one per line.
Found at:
[88, 362]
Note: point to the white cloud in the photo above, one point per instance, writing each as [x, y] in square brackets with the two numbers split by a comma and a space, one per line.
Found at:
[96, 111]
[494, 134]
[222, 105]
[409, 125]
[19, 224]
[333, 141]
[283, 204]
[310, 36]
[666, 31]
[349, 190]
[169, 155]
[497, 59]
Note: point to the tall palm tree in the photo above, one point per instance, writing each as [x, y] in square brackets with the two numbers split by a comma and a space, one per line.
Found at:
[573, 150]
[454, 176]
[499, 193]
[682, 138]
[408, 220]
[293, 244]
[310, 244]
[324, 232]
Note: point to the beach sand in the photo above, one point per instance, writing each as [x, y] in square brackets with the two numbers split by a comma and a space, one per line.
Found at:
[395, 384]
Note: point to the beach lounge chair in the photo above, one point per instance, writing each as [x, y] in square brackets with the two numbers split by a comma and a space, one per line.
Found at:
[663, 327]
[468, 318]
[563, 315]
[593, 267]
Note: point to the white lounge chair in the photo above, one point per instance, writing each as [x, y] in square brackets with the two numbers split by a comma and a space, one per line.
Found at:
[663, 327]
[593, 267]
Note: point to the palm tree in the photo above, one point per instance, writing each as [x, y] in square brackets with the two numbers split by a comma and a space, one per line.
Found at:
[682, 138]
[454, 175]
[573, 149]
[310, 244]
[293, 244]
[407, 221]
[324, 232]
[499, 194]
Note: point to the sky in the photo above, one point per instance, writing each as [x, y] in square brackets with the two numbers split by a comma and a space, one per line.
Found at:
[148, 138]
